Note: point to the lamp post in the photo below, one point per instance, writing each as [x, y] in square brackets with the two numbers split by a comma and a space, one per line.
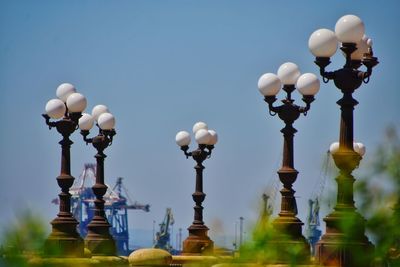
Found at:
[198, 241]
[287, 225]
[98, 239]
[345, 227]
[64, 240]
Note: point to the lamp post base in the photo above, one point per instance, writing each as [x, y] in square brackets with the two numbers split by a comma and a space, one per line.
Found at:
[99, 240]
[345, 243]
[290, 245]
[64, 240]
[197, 243]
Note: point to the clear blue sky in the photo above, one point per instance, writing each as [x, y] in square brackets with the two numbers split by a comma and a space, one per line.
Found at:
[161, 66]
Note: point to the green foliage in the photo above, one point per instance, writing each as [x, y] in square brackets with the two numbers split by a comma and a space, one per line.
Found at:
[380, 198]
[22, 239]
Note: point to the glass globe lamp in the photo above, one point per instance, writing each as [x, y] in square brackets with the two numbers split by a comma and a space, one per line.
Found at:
[86, 122]
[213, 137]
[308, 84]
[106, 121]
[98, 110]
[323, 43]
[64, 91]
[182, 138]
[269, 84]
[55, 108]
[202, 137]
[199, 125]
[349, 29]
[288, 73]
[76, 102]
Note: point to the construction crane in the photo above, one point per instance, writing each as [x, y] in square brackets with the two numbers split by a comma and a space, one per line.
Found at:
[116, 206]
[162, 238]
[312, 231]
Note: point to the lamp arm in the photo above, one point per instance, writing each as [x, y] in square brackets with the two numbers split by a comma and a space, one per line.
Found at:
[308, 99]
[209, 148]
[49, 123]
[270, 100]
[185, 151]
[85, 133]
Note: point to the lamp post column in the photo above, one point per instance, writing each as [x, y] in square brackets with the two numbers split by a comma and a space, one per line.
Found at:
[288, 243]
[198, 242]
[344, 243]
[99, 240]
[64, 239]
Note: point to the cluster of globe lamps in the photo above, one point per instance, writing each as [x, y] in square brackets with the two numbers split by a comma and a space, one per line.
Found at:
[67, 110]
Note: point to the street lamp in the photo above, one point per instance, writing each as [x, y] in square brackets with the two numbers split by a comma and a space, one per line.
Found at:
[342, 240]
[64, 239]
[269, 85]
[98, 239]
[198, 242]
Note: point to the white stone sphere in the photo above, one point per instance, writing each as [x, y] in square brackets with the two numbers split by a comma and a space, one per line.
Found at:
[199, 125]
[182, 138]
[269, 84]
[334, 147]
[64, 90]
[202, 137]
[308, 84]
[76, 102]
[55, 108]
[98, 110]
[213, 137]
[86, 122]
[106, 121]
[359, 148]
[323, 43]
[349, 29]
[288, 73]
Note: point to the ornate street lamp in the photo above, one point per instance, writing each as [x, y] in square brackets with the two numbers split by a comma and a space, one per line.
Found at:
[198, 242]
[98, 239]
[288, 226]
[345, 227]
[64, 239]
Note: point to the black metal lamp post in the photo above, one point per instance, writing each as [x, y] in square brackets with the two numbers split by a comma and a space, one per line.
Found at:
[198, 241]
[345, 243]
[99, 240]
[287, 225]
[64, 240]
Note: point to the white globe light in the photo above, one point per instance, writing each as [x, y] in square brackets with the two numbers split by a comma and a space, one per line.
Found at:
[213, 137]
[349, 29]
[288, 73]
[323, 43]
[199, 125]
[76, 102]
[106, 121]
[64, 90]
[86, 122]
[269, 84]
[202, 137]
[369, 42]
[359, 148]
[308, 84]
[334, 147]
[362, 48]
[182, 138]
[55, 108]
[98, 110]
